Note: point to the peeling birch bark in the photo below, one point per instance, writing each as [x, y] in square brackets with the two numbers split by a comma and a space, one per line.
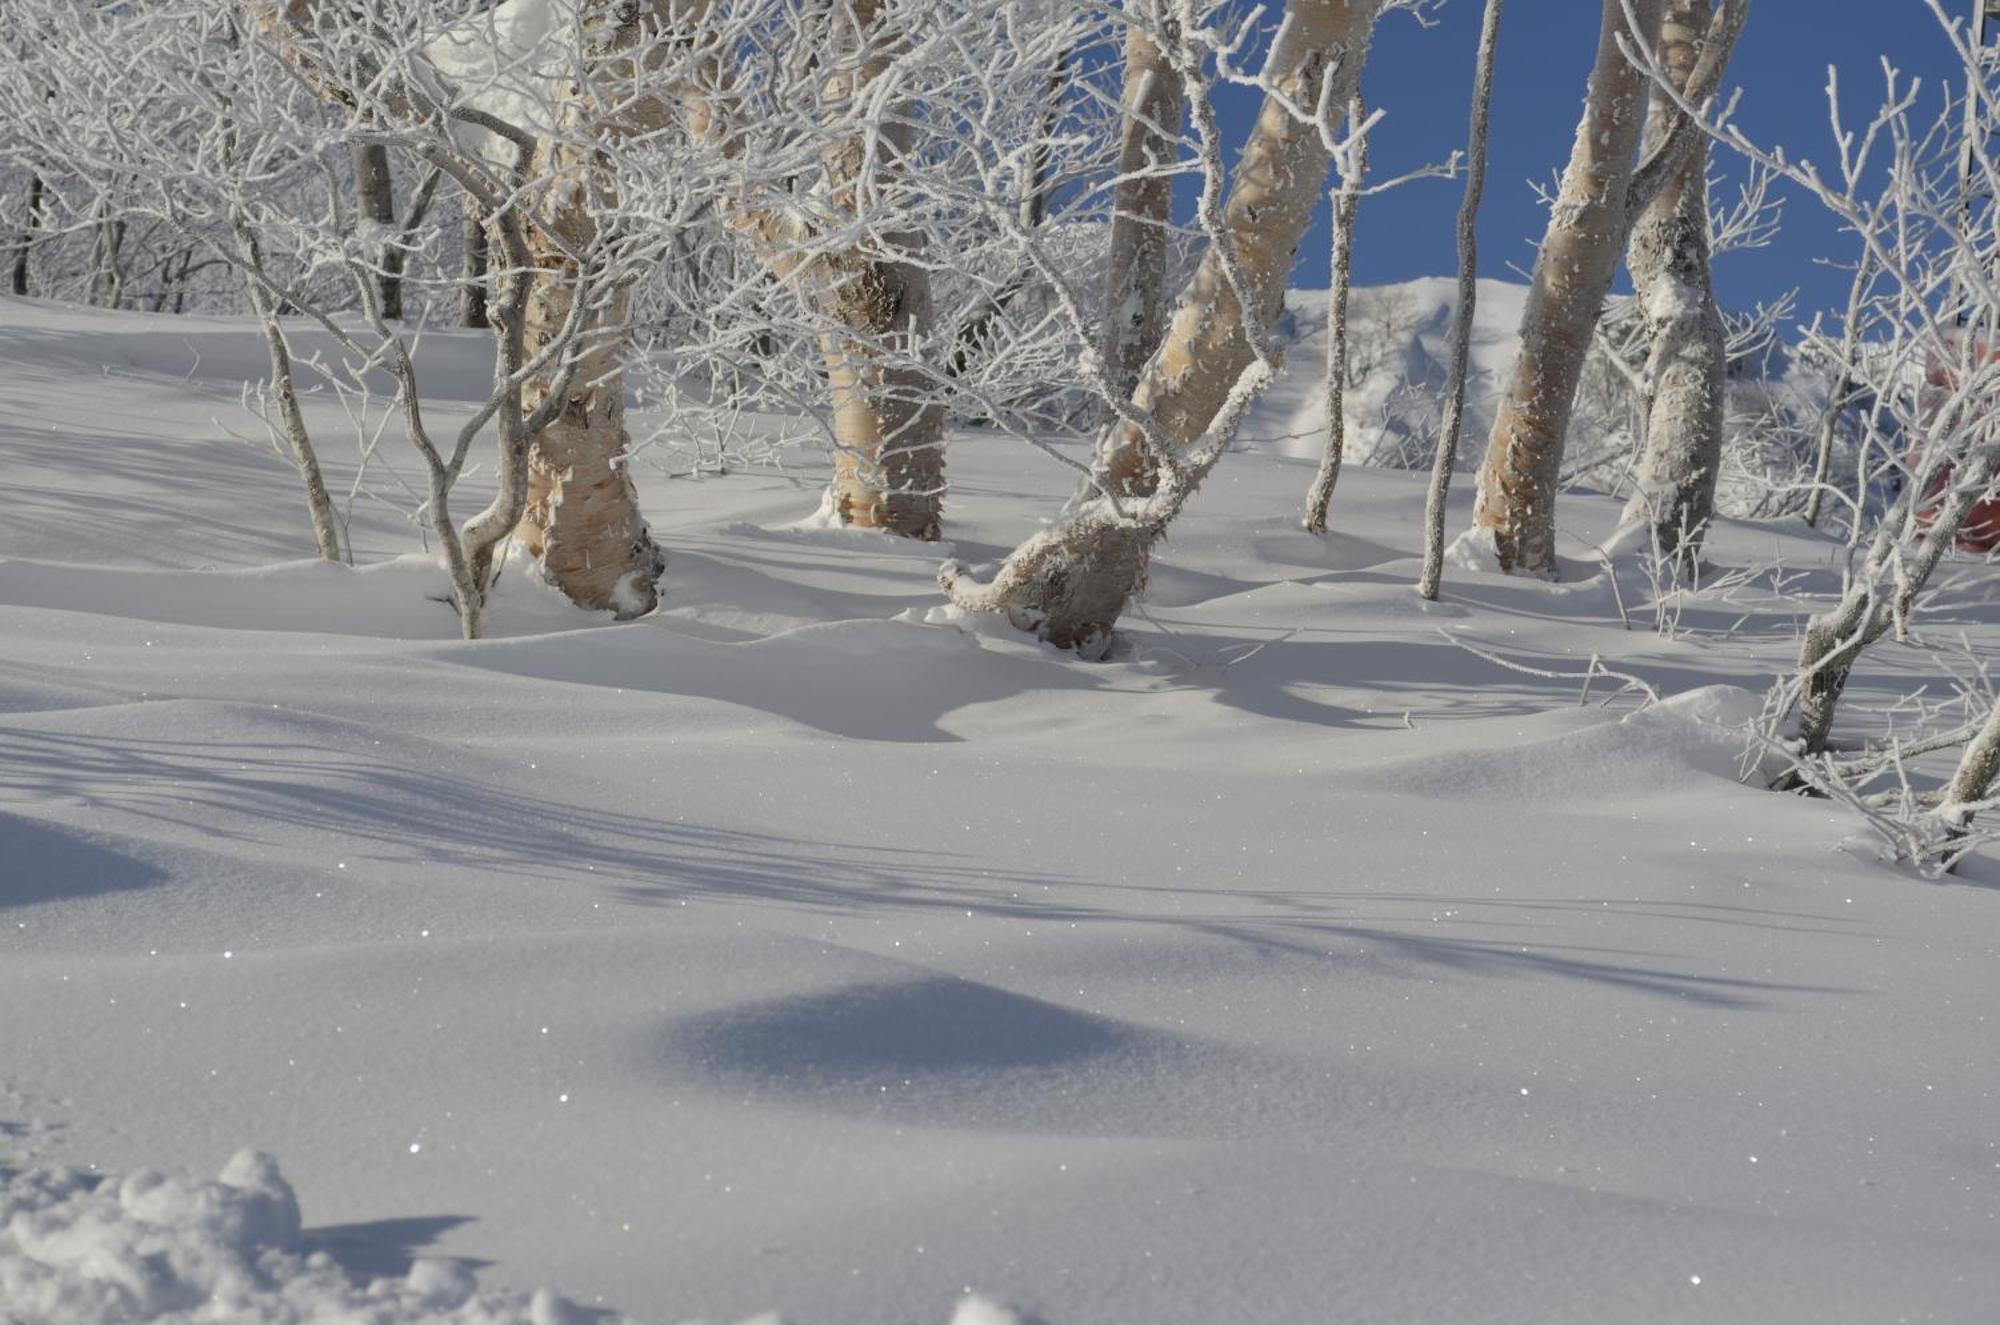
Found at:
[582, 524]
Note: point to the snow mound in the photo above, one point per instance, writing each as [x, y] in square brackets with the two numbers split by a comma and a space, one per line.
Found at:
[156, 1247]
[976, 1310]
[1686, 740]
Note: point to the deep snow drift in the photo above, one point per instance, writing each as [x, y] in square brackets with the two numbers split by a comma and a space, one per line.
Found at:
[809, 947]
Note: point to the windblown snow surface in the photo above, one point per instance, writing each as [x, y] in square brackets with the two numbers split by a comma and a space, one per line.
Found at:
[806, 947]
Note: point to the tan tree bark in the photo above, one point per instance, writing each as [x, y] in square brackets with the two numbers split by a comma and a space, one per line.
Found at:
[582, 524]
[1069, 584]
[1135, 296]
[1276, 185]
[888, 424]
[1668, 256]
[1572, 274]
[581, 516]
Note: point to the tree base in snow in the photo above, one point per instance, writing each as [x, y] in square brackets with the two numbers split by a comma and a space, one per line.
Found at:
[1067, 585]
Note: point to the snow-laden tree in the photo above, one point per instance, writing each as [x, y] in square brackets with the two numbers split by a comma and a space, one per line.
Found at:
[1687, 362]
[1445, 457]
[1603, 192]
[1070, 583]
[1152, 105]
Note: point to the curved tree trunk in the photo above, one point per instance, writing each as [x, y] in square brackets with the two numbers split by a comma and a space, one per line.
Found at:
[1669, 260]
[1276, 185]
[1573, 271]
[1142, 203]
[1069, 584]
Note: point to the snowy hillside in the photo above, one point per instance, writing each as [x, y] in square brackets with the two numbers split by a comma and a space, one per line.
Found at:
[808, 947]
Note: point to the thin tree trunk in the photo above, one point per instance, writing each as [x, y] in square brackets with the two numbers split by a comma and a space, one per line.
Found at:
[107, 280]
[582, 524]
[1070, 583]
[1135, 299]
[472, 291]
[1835, 639]
[1974, 780]
[1468, 302]
[375, 198]
[1346, 204]
[1843, 387]
[284, 390]
[28, 231]
[1669, 260]
[976, 331]
[1572, 274]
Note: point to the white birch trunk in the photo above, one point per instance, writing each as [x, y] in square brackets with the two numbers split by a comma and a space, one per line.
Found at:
[1135, 296]
[1069, 584]
[888, 472]
[1346, 205]
[582, 524]
[1453, 421]
[1572, 275]
[1668, 255]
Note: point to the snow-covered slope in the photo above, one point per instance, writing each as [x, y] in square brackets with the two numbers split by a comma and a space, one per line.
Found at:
[807, 947]
[1399, 360]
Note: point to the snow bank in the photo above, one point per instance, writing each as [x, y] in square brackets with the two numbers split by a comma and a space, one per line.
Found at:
[82, 1247]
[89, 1249]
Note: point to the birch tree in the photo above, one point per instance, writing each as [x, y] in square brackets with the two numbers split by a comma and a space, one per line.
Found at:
[1668, 256]
[1346, 207]
[583, 525]
[1142, 201]
[1446, 458]
[375, 199]
[889, 466]
[1070, 583]
[1600, 195]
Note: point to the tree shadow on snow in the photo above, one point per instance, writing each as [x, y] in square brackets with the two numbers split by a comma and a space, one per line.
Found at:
[386, 1248]
[272, 793]
[43, 863]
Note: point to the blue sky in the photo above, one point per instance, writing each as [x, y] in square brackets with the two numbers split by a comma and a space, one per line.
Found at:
[1421, 78]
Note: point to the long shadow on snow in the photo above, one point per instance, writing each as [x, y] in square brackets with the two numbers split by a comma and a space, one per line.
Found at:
[269, 792]
[386, 1248]
[866, 679]
[41, 863]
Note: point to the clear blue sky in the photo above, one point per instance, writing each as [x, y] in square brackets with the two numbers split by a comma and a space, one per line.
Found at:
[1421, 78]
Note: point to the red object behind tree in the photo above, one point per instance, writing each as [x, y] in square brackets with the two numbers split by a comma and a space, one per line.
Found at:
[1981, 530]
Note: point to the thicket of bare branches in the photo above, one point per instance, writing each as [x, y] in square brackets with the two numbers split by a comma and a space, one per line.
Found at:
[699, 235]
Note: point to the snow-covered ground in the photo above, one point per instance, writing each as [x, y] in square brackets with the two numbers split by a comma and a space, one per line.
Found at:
[804, 947]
